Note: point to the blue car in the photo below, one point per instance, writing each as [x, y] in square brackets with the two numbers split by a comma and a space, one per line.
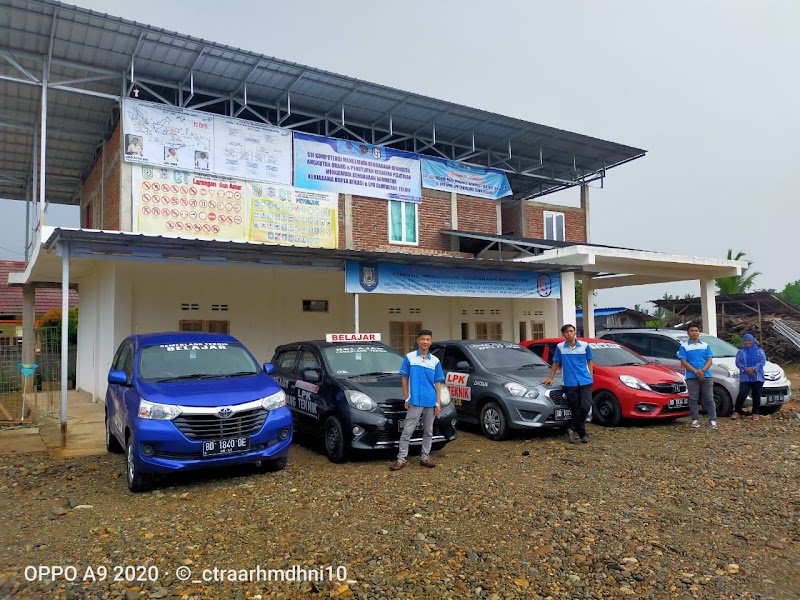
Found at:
[183, 401]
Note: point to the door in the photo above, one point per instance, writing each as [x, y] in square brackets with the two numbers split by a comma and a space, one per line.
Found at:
[460, 381]
[116, 408]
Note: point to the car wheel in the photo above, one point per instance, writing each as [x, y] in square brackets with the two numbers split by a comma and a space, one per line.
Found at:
[493, 421]
[723, 402]
[272, 465]
[336, 447]
[112, 444]
[606, 410]
[137, 481]
[769, 410]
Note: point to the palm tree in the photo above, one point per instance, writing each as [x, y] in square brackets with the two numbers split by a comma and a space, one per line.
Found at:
[737, 284]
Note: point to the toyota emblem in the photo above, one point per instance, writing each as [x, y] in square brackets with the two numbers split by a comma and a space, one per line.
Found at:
[224, 412]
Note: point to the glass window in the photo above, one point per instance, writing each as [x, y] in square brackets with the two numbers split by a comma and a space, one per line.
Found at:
[403, 335]
[537, 330]
[489, 331]
[355, 360]
[554, 226]
[403, 222]
[664, 348]
[452, 356]
[505, 355]
[608, 354]
[307, 361]
[639, 343]
[194, 360]
[287, 359]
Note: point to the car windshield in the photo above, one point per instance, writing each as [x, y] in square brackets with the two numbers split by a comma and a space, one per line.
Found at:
[607, 354]
[720, 348]
[352, 361]
[201, 360]
[504, 355]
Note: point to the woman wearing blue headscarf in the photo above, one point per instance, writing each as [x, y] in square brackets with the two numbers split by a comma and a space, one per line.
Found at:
[750, 360]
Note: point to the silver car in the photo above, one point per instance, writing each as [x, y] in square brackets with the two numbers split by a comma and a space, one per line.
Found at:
[661, 346]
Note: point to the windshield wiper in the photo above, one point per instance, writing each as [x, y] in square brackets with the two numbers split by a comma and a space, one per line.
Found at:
[531, 366]
[374, 374]
[633, 364]
[192, 376]
[238, 374]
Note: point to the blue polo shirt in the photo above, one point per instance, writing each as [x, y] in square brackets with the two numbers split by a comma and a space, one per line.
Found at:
[422, 374]
[574, 363]
[696, 355]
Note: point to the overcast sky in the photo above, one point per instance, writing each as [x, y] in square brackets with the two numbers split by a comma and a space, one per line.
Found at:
[708, 87]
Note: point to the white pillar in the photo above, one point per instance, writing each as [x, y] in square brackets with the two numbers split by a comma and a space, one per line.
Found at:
[566, 303]
[588, 309]
[64, 339]
[43, 144]
[708, 306]
[357, 319]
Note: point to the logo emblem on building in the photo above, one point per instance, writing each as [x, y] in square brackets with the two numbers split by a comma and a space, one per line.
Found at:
[545, 285]
[368, 276]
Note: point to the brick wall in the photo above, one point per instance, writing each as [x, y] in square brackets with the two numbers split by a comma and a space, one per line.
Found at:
[477, 215]
[574, 222]
[98, 212]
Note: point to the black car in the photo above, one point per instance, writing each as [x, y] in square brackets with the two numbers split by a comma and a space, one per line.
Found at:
[497, 385]
[350, 395]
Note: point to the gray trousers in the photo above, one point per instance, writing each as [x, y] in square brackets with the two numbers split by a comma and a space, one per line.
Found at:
[704, 390]
[412, 417]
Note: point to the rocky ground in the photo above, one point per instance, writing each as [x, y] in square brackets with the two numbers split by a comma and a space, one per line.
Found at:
[658, 511]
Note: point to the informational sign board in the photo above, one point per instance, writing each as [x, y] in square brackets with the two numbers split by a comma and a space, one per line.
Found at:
[453, 176]
[252, 150]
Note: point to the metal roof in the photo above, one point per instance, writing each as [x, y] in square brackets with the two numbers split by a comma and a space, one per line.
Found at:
[749, 305]
[90, 60]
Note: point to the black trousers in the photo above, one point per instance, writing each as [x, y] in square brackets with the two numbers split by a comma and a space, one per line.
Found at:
[580, 402]
[752, 387]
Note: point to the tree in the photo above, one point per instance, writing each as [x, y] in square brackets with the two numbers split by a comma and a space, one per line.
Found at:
[737, 284]
[579, 294]
[791, 293]
[50, 327]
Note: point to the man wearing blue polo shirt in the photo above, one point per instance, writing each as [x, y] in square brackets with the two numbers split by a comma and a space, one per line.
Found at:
[422, 378]
[577, 363]
[696, 358]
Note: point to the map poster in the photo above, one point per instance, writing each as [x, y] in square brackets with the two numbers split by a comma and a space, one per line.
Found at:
[280, 214]
[168, 136]
[252, 150]
[191, 205]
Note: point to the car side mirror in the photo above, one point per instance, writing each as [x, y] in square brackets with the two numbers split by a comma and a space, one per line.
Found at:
[463, 365]
[118, 377]
[312, 375]
[269, 368]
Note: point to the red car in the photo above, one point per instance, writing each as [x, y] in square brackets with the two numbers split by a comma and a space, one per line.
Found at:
[626, 386]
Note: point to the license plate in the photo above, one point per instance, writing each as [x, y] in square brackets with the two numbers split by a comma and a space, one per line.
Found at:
[563, 414]
[229, 446]
[774, 399]
[402, 423]
[678, 402]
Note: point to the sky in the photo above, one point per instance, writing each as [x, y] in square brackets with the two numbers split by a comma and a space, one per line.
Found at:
[708, 87]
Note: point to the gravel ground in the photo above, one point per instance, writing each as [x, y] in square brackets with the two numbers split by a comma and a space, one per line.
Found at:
[654, 511]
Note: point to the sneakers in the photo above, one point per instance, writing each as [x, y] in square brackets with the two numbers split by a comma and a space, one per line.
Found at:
[427, 462]
[572, 437]
[713, 425]
[695, 424]
[584, 439]
[397, 465]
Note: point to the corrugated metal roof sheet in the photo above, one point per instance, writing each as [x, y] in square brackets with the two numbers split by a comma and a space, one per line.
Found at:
[86, 44]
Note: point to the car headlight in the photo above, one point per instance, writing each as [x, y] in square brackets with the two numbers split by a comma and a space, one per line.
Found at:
[157, 412]
[274, 401]
[731, 371]
[444, 396]
[634, 382]
[359, 400]
[516, 389]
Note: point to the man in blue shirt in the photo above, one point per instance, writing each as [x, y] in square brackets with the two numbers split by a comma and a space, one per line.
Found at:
[696, 358]
[422, 378]
[577, 363]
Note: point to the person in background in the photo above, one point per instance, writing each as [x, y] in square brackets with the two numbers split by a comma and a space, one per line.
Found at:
[422, 380]
[577, 363]
[696, 357]
[750, 360]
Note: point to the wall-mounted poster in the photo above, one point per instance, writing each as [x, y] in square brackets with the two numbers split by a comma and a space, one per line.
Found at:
[454, 176]
[191, 205]
[292, 216]
[347, 167]
[252, 150]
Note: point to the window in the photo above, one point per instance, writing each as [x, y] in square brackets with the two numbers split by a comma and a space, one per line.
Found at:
[554, 226]
[403, 335]
[403, 221]
[666, 348]
[315, 306]
[453, 356]
[286, 360]
[307, 361]
[492, 330]
[207, 326]
[537, 349]
[537, 330]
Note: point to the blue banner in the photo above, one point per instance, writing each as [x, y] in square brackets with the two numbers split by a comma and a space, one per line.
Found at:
[421, 280]
[347, 167]
[453, 176]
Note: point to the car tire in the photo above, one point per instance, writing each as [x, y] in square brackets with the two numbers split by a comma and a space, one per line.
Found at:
[272, 465]
[723, 402]
[112, 444]
[336, 446]
[606, 410]
[494, 424]
[137, 481]
[769, 410]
